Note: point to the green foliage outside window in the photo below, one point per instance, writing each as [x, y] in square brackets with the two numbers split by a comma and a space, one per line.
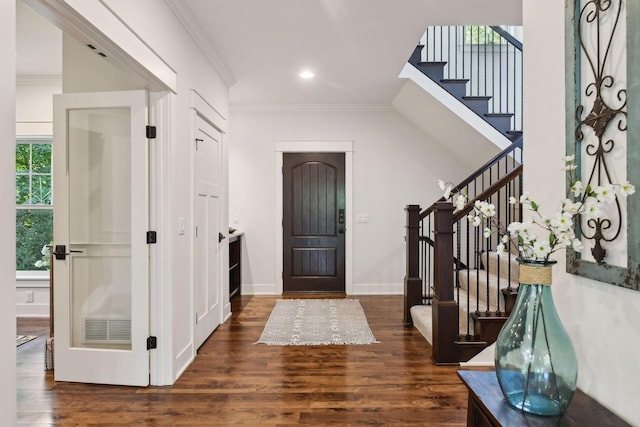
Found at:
[481, 34]
[34, 214]
[34, 230]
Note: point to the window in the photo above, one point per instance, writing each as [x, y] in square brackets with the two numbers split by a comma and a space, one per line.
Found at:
[34, 203]
[482, 34]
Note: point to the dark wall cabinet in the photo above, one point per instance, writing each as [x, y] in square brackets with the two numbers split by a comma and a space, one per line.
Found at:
[235, 265]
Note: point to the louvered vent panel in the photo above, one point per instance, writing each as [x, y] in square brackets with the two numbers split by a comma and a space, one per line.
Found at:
[95, 330]
[120, 330]
[101, 331]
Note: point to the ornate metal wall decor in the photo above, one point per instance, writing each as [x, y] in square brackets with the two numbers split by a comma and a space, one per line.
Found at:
[602, 116]
[603, 123]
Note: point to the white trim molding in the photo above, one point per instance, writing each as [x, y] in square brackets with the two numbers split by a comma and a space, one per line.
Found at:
[193, 28]
[345, 147]
[93, 22]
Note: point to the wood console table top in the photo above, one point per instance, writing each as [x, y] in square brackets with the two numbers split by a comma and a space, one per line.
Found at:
[485, 393]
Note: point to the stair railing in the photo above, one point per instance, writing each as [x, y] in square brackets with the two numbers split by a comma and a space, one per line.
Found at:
[443, 246]
[489, 57]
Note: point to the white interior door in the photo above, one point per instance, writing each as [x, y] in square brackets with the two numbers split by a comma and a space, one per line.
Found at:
[100, 222]
[207, 291]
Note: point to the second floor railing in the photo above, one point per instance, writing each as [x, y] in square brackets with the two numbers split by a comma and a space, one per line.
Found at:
[489, 57]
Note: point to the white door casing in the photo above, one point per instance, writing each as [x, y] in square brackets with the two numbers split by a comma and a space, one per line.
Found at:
[101, 294]
[207, 283]
[345, 147]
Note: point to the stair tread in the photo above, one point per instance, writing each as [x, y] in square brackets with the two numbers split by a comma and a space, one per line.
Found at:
[465, 81]
[499, 114]
[476, 97]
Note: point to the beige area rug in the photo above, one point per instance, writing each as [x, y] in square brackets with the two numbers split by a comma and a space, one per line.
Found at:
[21, 339]
[317, 322]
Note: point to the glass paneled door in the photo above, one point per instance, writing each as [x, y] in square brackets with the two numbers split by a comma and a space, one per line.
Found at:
[101, 303]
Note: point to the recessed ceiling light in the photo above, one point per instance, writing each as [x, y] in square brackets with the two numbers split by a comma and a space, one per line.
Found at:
[306, 74]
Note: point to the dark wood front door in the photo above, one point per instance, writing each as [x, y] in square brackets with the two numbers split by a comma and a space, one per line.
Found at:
[314, 222]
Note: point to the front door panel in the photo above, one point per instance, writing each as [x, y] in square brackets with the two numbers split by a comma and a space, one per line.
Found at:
[314, 222]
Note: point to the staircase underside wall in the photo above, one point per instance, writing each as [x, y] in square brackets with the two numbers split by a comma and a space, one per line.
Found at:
[464, 134]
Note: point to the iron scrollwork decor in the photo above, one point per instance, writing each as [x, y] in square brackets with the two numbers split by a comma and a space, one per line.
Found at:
[599, 120]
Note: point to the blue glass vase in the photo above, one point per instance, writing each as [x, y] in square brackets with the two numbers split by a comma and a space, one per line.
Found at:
[535, 361]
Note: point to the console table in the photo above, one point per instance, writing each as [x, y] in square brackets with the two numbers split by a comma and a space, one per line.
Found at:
[235, 264]
[488, 408]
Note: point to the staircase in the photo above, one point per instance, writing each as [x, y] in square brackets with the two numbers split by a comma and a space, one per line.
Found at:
[479, 66]
[458, 292]
[491, 290]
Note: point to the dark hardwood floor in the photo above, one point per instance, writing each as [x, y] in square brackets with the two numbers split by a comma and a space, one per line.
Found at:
[234, 382]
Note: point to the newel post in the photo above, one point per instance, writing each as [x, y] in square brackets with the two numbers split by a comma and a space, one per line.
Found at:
[412, 280]
[445, 309]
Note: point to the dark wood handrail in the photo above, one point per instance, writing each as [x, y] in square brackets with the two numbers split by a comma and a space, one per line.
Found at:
[504, 153]
[490, 191]
[507, 36]
[482, 169]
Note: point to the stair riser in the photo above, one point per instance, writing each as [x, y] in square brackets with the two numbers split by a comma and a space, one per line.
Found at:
[503, 265]
[502, 124]
[478, 106]
[469, 283]
[435, 70]
[457, 89]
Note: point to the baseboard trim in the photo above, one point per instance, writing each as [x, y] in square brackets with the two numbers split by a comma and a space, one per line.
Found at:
[358, 289]
[32, 310]
[259, 289]
[377, 289]
[183, 360]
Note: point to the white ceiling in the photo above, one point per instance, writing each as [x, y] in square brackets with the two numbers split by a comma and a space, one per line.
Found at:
[355, 47]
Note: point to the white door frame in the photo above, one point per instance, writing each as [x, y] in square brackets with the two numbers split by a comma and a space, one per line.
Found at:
[345, 147]
[160, 266]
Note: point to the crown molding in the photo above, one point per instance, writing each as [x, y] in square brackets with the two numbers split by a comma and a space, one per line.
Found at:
[39, 79]
[271, 108]
[193, 28]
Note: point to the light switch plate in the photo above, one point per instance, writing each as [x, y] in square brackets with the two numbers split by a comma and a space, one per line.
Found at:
[362, 218]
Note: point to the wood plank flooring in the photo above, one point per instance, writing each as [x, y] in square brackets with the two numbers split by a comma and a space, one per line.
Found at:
[234, 382]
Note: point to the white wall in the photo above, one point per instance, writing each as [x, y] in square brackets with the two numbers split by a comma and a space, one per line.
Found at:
[393, 165]
[7, 210]
[601, 318]
[34, 106]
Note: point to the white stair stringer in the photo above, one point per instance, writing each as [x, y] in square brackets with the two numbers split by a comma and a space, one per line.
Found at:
[464, 113]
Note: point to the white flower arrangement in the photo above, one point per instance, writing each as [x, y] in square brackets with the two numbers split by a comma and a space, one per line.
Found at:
[557, 229]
